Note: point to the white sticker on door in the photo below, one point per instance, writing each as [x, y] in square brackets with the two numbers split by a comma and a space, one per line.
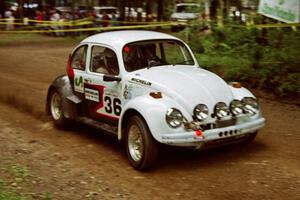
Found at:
[91, 94]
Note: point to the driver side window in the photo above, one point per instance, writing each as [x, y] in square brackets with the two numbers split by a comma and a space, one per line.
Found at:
[79, 58]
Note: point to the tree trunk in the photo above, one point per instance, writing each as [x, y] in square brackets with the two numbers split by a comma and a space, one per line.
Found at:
[21, 9]
[139, 10]
[2, 7]
[220, 11]
[149, 10]
[122, 10]
[160, 9]
[227, 7]
[52, 3]
[102, 3]
[213, 9]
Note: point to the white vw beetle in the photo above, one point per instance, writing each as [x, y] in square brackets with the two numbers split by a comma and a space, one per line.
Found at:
[147, 88]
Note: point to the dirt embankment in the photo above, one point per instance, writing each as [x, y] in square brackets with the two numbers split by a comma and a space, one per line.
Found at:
[40, 161]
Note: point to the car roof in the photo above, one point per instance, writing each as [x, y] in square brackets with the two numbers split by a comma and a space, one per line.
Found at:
[118, 39]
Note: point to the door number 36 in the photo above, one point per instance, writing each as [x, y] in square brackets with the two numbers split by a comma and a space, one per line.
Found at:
[113, 105]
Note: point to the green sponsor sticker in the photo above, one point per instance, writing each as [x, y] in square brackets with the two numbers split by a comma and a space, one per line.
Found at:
[78, 81]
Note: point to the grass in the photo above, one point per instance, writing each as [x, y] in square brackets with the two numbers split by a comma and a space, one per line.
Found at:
[17, 183]
[34, 38]
[8, 194]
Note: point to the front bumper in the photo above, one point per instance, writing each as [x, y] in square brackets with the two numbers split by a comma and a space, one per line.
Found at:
[198, 138]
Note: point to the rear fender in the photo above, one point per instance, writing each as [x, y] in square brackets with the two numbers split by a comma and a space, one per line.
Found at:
[69, 100]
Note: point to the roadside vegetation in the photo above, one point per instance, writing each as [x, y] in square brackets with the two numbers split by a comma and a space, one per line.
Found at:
[8, 195]
[17, 182]
[267, 59]
[8, 39]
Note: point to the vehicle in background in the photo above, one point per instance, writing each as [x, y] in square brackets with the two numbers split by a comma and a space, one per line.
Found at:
[185, 12]
[110, 11]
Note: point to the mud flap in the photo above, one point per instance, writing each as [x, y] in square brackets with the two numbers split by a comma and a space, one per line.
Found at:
[70, 105]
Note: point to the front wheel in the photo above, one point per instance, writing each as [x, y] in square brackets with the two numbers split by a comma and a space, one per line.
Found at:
[56, 109]
[141, 147]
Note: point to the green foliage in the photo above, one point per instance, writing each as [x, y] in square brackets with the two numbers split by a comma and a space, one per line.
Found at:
[266, 58]
[20, 171]
[5, 194]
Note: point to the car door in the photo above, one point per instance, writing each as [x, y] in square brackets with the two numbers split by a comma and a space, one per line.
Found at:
[78, 64]
[103, 98]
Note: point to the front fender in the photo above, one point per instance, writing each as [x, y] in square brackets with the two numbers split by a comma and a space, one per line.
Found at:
[154, 113]
[63, 86]
[240, 93]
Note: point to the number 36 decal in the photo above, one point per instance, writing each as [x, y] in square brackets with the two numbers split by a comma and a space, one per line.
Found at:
[113, 105]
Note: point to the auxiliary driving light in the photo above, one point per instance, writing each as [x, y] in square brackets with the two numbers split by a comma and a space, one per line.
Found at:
[236, 107]
[250, 105]
[201, 112]
[174, 118]
[221, 110]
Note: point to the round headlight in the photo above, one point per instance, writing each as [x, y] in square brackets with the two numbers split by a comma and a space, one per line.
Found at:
[201, 112]
[250, 105]
[174, 117]
[221, 110]
[236, 107]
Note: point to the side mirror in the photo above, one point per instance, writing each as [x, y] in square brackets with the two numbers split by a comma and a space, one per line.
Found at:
[111, 78]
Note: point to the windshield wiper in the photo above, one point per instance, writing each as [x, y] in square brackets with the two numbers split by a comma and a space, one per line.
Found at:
[157, 62]
[183, 62]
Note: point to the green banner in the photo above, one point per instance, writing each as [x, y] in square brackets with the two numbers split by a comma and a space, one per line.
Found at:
[283, 10]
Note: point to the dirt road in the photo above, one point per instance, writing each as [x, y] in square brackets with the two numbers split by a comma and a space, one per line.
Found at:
[40, 161]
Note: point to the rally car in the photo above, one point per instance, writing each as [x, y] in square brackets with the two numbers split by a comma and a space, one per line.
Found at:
[147, 88]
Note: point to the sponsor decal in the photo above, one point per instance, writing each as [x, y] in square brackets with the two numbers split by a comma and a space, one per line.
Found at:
[111, 93]
[78, 84]
[105, 106]
[140, 81]
[91, 94]
[127, 92]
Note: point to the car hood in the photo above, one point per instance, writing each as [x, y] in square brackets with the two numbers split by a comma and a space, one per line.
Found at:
[188, 85]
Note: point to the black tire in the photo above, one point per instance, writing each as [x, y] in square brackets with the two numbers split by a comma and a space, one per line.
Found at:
[56, 109]
[149, 153]
[251, 137]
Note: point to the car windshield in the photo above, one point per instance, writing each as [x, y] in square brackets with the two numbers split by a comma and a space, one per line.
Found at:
[188, 9]
[146, 54]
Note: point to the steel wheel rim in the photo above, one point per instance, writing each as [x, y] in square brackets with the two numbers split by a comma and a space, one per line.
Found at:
[135, 143]
[56, 108]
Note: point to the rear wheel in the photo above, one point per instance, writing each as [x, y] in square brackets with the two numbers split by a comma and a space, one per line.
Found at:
[141, 147]
[56, 109]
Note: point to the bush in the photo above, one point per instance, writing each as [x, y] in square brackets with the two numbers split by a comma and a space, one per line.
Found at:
[268, 59]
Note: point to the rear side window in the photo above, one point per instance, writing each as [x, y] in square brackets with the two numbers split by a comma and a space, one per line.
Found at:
[104, 61]
[79, 58]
